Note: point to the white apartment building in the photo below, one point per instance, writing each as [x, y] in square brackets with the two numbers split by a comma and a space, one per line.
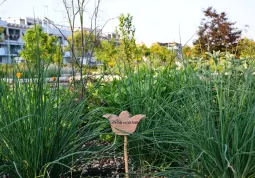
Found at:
[12, 30]
[10, 40]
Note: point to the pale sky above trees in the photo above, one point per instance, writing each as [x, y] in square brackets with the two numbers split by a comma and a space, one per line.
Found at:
[155, 20]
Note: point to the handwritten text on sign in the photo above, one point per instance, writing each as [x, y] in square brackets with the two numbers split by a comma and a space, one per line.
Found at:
[124, 124]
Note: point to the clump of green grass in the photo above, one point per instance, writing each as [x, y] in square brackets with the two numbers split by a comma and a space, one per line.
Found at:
[220, 126]
[42, 130]
[196, 124]
[150, 92]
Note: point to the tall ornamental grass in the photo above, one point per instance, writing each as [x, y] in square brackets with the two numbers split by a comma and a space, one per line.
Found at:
[198, 123]
[145, 90]
[41, 125]
[220, 125]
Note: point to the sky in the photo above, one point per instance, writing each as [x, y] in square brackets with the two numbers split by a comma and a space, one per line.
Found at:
[154, 20]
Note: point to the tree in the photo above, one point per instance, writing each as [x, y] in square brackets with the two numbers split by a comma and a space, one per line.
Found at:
[162, 53]
[216, 33]
[107, 52]
[145, 50]
[127, 38]
[78, 38]
[125, 51]
[246, 48]
[75, 10]
[38, 42]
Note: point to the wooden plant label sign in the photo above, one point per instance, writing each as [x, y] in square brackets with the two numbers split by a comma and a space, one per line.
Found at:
[124, 124]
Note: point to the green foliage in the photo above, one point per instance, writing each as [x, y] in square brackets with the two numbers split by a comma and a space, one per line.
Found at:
[1, 30]
[187, 51]
[246, 48]
[223, 62]
[125, 54]
[197, 123]
[40, 45]
[58, 54]
[6, 70]
[41, 132]
[1, 34]
[161, 55]
[143, 92]
[145, 51]
[127, 38]
[192, 116]
[88, 39]
[52, 72]
[40, 128]
[107, 52]
[220, 129]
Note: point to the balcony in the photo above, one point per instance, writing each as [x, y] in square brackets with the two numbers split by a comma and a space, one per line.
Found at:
[14, 37]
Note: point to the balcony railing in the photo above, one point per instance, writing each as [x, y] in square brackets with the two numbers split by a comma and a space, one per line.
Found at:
[14, 37]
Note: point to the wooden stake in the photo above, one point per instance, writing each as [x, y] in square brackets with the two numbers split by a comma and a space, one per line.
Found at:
[124, 125]
[126, 156]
